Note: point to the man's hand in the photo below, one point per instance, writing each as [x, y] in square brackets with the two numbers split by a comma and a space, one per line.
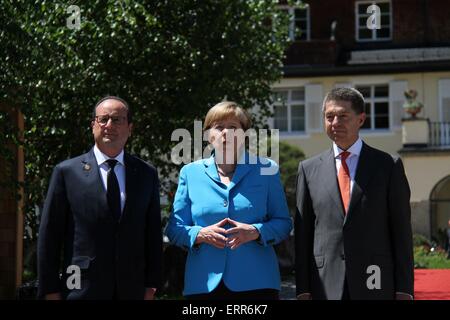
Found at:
[240, 234]
[213, 235]
[149, 293]
[304, 296]
[53, 296]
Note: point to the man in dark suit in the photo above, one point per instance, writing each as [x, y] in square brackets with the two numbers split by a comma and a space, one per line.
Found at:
[352, 226]
[101, 220]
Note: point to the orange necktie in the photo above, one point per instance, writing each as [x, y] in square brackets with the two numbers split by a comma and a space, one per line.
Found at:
[344, 180]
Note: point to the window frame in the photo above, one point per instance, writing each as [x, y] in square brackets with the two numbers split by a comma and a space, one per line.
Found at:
[288, 104]
[372, 100]
[374, 32]
[443, 84]
[292, 20]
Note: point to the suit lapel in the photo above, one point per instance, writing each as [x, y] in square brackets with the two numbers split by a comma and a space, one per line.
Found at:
[242, 168]
[210, 169]
[90, 170]
[93, 181]
[329, 180]
[131, 185]
[365, 169]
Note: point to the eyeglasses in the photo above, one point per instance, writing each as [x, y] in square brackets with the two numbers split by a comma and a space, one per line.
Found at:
[103, 120]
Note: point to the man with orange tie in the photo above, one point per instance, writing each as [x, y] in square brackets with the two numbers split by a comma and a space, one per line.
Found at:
[353, 221]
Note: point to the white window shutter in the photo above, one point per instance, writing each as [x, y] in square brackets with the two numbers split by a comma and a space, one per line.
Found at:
[271, 120]
[255, 112]
[444, 100]
[396, 100]
[256, 109]
[313, 107]
[343, 85]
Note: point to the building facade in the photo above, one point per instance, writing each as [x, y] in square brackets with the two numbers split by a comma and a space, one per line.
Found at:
[382, 48]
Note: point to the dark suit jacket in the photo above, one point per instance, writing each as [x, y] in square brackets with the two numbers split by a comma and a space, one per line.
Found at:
[119, 258]
[447, 244]
[376, 230]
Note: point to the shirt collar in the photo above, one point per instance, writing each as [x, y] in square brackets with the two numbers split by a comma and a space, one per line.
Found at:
[355, 149]
[101, 157]
[243, 158]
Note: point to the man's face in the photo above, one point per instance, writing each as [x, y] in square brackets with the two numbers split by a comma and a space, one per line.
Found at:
[110, 127]
[342, 123]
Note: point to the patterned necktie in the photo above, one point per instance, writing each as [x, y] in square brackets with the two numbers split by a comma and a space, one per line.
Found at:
[344, 180]
[113, 190]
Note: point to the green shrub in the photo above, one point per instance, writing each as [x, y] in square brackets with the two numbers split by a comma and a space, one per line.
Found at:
[420, 240]
[430, 258]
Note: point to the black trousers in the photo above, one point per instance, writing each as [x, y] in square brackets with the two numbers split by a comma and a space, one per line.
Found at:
[345, 294]
[221, 292]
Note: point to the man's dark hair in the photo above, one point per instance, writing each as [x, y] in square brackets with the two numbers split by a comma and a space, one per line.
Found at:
[129, 113]
[346, 94]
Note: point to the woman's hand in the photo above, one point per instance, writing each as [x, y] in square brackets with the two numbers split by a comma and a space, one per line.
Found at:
[213, 235]
[240, 234]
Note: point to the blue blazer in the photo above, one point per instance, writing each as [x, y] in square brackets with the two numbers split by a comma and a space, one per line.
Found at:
[251, 197]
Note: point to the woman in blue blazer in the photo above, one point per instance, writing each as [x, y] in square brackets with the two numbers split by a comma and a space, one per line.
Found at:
[229, 211]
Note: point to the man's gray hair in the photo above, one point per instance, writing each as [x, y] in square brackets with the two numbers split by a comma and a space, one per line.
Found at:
[346, 94]
[129, 113]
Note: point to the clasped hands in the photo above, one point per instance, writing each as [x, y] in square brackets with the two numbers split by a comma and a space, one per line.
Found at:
[219, 237]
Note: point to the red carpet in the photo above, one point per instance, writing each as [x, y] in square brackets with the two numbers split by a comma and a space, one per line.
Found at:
[432, 284]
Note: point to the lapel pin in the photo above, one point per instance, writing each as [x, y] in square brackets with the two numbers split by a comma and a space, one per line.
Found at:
[87, 167]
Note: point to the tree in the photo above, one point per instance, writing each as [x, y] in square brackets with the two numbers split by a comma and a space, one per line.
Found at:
[170, 59]
[290, 156]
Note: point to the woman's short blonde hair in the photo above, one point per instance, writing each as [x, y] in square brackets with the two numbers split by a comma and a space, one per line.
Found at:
[225, 110]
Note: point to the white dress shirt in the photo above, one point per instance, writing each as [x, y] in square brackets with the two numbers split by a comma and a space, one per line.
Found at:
[352, 160]
[119, 170]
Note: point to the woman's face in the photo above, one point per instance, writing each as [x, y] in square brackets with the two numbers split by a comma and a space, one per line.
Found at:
[226, 138]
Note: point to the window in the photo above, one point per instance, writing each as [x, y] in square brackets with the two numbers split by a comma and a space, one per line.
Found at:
[299, 28]
[289, 110]
[444, 100]
[363, 33]
[376, 107]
